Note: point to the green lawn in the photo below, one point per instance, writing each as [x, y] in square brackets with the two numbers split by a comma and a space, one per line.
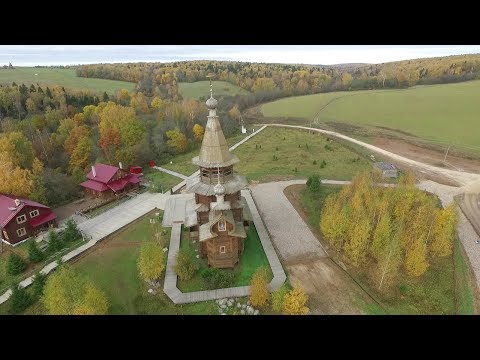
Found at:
[112, 265]
[258, 163]
[161, 182]
[432, 293]
[252, 258]
[438, 113]
[62, 77]
[200, 89]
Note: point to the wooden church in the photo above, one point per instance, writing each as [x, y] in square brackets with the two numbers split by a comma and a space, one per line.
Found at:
[218, 216]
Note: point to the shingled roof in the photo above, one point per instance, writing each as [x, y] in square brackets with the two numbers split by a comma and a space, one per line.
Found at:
[214, 151]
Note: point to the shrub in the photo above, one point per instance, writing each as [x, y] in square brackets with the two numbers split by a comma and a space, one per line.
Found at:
[278, 298]
[38, 284]
[295, 302]
[313, 183]
[276, 148]
[314, 162]
[19, 300]
[186, 265]
[35, 255]
[218, 279]
[15, 264]
[259, 293]
[323, 164]
[296, 170]
[328, 147]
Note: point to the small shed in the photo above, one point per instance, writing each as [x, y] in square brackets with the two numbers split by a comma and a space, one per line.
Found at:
[387, 170]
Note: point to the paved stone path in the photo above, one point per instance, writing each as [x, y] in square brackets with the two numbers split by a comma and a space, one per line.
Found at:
[181, 176]
[170, 284]
[290, 234]
[460, 177]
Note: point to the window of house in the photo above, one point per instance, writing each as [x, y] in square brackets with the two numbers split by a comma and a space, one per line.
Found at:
[5, 234]
[228, 172]
[223, 249]
[21, 219]
[21, 232]
[205, 173]
[221, 225]
[34, 213]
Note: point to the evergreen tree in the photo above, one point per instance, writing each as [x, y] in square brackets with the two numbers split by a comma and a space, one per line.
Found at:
[19, 300]
[15, 264]
[35, 255]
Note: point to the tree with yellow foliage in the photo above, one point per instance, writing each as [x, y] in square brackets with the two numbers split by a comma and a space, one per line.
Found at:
[94, 302]
[356, 248]
[68, 293]
[157, 103]
[15, 181]
[259, 294]
[416, 257]
[177, 140]
[151, 261]
[295, 302]
[444, 230]
[198, 132]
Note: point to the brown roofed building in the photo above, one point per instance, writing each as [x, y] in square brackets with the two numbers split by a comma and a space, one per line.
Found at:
[217, 215]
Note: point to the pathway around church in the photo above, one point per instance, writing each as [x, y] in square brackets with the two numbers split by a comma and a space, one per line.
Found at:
[178, 297]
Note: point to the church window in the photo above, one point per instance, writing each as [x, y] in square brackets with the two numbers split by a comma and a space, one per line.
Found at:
[223, 249]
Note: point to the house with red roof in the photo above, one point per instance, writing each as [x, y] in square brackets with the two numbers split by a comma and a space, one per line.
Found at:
[107, 180]
[22, 218]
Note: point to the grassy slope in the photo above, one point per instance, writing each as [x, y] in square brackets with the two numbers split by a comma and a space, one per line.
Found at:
[200, 88]
[62, 77]
[438, 112]
[258, 163]
[432, 293]
[253, 257]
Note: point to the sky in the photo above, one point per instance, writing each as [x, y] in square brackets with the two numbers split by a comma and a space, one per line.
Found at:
[31, 55]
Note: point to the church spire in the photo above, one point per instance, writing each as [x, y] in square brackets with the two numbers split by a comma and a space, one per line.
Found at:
[214, 151]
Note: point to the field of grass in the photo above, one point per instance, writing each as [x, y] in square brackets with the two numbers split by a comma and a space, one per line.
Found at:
[438, 113]
[252, 258]
[201, 89]
[161, 182]
[445, 288]
[62, 77]
[112, 265]
[291, 151]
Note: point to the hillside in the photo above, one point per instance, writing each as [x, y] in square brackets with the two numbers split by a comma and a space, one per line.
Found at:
[63, 77]
[440, 113]
[200, 88]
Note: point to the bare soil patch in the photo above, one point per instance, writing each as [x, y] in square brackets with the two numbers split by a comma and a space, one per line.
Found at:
[428, 156]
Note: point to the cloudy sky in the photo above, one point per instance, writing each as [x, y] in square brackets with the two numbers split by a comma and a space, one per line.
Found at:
[30, 55]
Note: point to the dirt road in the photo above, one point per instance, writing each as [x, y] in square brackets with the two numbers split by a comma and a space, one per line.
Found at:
[459, 177]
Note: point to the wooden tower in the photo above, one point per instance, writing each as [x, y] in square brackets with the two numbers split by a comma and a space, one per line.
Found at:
[216, 216]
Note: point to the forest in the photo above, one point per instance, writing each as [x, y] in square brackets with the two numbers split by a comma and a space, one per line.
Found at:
[50, 136]
[267, 82]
